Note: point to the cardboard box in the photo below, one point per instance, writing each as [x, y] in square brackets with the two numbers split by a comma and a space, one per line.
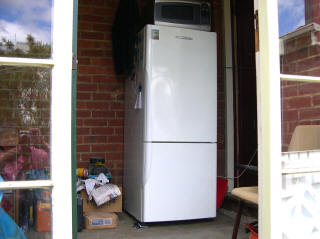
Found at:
[111, 206]
[100, 220]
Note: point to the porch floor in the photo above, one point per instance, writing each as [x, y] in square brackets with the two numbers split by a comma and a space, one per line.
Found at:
[220, 227]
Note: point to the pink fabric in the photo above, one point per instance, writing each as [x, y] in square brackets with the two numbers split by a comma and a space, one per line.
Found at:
[39, 159]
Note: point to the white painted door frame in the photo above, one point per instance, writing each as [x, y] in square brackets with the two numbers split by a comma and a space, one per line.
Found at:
[61, 64]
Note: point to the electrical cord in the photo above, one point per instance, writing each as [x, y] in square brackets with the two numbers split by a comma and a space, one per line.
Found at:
[244, 170]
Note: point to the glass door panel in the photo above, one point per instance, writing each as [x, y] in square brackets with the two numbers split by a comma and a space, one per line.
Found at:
[25, 28]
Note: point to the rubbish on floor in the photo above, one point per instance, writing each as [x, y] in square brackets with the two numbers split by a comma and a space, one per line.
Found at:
[105, 193]
[96, 167]
[89, 184]
[140, 225]
[114, 205]
[100, 220]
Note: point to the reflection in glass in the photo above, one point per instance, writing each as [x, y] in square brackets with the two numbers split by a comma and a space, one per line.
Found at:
[300, 205]
[300, 102]
[25, 28]
[299, 32]
[28, 212]
[24, 123]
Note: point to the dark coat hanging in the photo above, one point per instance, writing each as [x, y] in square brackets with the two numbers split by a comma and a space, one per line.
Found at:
[124, 29]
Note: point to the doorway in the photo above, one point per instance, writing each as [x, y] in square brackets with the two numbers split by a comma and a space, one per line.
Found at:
[245, 99]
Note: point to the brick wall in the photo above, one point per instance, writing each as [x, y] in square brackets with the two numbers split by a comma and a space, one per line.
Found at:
[300, 101]
[100, 93]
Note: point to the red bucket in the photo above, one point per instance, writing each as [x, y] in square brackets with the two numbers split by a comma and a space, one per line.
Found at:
[222, 184]
[253, 231]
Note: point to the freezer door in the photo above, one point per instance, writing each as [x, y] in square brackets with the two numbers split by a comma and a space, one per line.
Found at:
[179, 182]
[181, 86]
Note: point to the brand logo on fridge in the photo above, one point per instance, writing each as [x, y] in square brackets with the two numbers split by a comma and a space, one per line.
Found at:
[184, 38]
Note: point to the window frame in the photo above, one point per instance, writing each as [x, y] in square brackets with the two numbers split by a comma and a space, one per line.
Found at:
[61, 118]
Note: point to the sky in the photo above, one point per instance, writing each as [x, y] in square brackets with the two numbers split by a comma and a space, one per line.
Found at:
[21, 17]
[291, 15]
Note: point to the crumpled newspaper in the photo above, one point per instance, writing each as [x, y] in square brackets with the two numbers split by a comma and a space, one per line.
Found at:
[90, 183]
[105, 193]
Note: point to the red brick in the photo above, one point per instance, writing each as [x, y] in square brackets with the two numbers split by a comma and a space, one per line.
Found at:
[103, 114]
[91, 53]
[297, 55]
[86, 156]
[316, 100]
[95, 139]
[94, 122]
[84, 61]
[117, 122]
[79, 140]
[104, 79]
[83, 113]
[102, 61]
[83, 148]
[117, 106]
[84, 78]
[289, 91]
[115, 156]
[83, 96]
[84, 26]
[120, 114]
[98, 105]
[304, 40]
[309, 114]
[308, 63]
[106, 148]
[290, 115]
[92, 18]
[115, 139]
[102, 131]
[101, 27]
[81, 105]
[102, 96]
[309, 88]
[296, 103]
[92, 35]
[86, 87]
[83, 131]
[118, 131]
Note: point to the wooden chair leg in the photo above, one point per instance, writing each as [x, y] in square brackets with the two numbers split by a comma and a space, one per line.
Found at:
[237, 221]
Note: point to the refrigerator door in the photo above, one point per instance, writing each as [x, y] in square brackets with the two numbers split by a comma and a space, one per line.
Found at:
[179, 181]
[181, 95]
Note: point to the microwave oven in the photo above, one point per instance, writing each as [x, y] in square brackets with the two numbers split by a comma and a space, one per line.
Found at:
[190, 14]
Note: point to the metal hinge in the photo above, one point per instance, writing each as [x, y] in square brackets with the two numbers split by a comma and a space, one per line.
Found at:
[74, 61]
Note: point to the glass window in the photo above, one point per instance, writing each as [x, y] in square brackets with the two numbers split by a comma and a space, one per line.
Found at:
[299, 33]
[27, 212]
[25, 28]
[25, 122]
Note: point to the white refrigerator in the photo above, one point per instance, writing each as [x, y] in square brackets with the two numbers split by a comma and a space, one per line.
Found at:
[170, 149]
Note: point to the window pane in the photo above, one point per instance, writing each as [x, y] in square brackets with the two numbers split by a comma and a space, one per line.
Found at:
[25, 28]
[301, 205]
[25, 122]
[300, 103]
[299, 33]
[28, 212]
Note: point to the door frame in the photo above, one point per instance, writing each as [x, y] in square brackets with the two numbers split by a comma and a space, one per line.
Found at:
[61, 106]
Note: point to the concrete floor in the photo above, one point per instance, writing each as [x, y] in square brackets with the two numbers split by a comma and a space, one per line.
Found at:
[219, 228]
